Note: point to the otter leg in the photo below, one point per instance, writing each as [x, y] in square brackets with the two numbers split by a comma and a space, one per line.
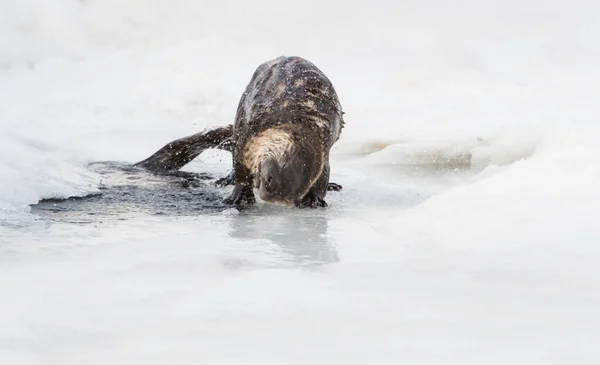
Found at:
[176, 154]
[316, 195]
[242, 194]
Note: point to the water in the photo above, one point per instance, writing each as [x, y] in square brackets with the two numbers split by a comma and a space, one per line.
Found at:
[127, 190]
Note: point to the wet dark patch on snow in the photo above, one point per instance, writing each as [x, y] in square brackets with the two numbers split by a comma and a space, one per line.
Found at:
[126, 190]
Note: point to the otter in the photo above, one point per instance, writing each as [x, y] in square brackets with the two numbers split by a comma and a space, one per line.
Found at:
[288, 119]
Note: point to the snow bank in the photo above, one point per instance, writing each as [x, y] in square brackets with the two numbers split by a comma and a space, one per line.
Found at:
[537, 215]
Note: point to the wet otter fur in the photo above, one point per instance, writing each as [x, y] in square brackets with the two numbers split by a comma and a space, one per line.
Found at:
[287, 120]
[178, 153]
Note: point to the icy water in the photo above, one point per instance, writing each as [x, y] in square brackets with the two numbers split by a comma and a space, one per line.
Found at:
[126, 190]
[127, 193]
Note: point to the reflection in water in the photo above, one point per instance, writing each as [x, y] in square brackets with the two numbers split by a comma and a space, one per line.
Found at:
[302, 237]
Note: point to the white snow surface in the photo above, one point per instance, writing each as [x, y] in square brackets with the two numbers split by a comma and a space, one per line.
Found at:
[467, 230]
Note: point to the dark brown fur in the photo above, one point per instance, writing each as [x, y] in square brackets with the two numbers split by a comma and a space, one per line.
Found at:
[293, 95]
[176, 154]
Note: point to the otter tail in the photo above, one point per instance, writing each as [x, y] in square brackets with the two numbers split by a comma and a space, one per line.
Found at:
[176, 154]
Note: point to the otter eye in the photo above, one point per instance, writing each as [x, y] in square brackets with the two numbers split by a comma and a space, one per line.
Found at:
[269, 179]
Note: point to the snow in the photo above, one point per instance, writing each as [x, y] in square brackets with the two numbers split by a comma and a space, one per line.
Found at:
[466, 230]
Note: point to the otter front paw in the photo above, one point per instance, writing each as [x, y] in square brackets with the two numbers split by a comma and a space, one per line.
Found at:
[334, 187]
[311, 201]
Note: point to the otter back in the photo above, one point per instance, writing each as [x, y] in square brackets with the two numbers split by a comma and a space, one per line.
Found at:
[288, 90]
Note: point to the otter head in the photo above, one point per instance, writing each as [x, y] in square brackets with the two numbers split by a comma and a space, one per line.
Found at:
[286, 166]
[286, 179]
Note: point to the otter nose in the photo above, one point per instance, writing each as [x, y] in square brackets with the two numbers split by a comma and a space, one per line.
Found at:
[270, 183]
